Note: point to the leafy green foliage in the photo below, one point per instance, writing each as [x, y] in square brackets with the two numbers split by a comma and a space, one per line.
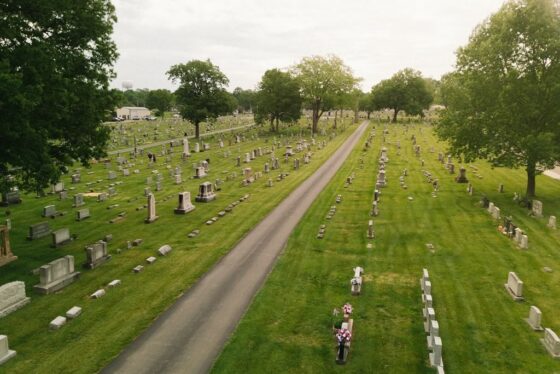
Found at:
[278, 98]
[502, 100]
[201, 94]
[137, 97]
[245, 99]
[322, 79]
[160, 100]
[55, 64]
[406, 90]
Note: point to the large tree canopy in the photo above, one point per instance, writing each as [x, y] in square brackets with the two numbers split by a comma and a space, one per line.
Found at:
[56, 60]
[406, 90]
[245, 99]
[201, 94]
[322, 79]
[502, 100]
[278, 98]
[160, 100]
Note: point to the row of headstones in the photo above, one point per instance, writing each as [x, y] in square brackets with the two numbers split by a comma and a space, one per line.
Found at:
[521, 239]
[343, 336]
[54, 276]
[431, 325]
[514, 287]
[329, 216]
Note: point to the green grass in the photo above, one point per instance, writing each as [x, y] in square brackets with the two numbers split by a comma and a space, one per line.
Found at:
[148, 132]
[107, 325]
[288, 327]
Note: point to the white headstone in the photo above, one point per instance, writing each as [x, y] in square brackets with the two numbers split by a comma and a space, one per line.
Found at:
[551, 342]
[534, 319]
[514, 286]
[12, 297]
[5, 352]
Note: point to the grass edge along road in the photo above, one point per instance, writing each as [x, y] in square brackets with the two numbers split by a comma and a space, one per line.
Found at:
[288, 327]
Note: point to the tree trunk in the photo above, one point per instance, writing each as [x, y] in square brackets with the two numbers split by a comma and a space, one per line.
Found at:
[395, 115]
[315, 118]
[356, 115]
[277, 124]
[531, 172]
[335, 118]
[368, 115]
[272, 124]
[197, 130]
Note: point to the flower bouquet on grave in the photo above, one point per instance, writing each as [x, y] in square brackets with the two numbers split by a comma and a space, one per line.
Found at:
[343, 336]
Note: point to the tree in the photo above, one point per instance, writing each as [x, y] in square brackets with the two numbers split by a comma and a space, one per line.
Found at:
[56, 61]
[321, 80]
[406, 90]
[136, 97]
[278, 98]
[160, 100]
[201, 94]
[502, 99]
[366, 104]
[245, 99]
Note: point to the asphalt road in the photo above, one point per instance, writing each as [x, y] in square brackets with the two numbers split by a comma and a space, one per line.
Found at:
[189, 336]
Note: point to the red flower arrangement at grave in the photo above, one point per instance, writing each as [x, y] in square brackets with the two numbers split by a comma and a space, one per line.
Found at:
[343, 335]
[347, 308]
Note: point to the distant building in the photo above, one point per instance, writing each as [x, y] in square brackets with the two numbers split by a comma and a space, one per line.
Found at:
[133, 112]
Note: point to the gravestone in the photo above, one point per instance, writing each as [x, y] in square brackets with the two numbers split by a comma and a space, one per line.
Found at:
[39, 230]
[56, 275]
[356, 281]
[111, 175]
[164, 250]
[524, 243]
[552, 222]
[126, 172]
[96, 254]
[206, 192]
[78, 200]
[425, 278]
[101, 197]
[10, 197]
[57, 323]
[82, 214]
[514, 286]
[496, 213]
[196, 147]
[435, 357]
[5, 352]
[370, 232]
[60, 237]
[200, 172]
[56, 188]
[534, 319]
[12, 297]
[462, 177]
[433, 333]
[429, 315]
[73, 312]
[151, 209]
[6, 254]
[49, 211]
[551, 343]
[537, 208]
[178, 179]
[186, 152]
[185, 204]
[63, 195]
[501, 188]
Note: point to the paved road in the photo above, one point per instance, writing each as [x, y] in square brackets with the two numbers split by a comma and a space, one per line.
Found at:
[144, 146]
[189, 336]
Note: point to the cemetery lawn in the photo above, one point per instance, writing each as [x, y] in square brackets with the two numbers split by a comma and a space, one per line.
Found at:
[288, 328]
[107, 325]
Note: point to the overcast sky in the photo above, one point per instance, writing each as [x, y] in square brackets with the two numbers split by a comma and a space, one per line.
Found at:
[247, 37]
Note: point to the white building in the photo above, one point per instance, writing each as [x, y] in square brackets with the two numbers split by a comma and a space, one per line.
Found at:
[133, 112]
